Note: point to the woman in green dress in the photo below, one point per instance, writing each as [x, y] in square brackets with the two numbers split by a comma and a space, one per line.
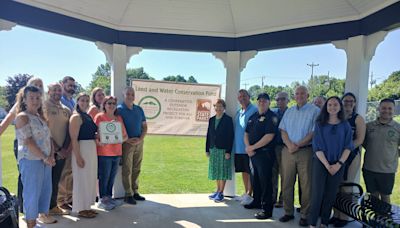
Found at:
[218, 148]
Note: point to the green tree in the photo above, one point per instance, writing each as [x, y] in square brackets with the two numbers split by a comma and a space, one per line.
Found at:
[254, 91]
[180, 78]
[191, 79]
[101, 81]
[389, 88]
[13, 85]
[103, 70]
[326, 86]
[3, 101]
[102, 77]
[136, 73]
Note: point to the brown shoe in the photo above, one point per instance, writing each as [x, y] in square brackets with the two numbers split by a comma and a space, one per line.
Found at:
[58, 211]
[46, 219]
[65, 207]
[94, 211]
[86, 214]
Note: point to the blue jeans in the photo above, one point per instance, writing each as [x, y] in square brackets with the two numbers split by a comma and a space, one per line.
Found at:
[36, 179]
[107, 170]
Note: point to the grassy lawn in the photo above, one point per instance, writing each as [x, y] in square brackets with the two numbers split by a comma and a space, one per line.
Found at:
[171, 164]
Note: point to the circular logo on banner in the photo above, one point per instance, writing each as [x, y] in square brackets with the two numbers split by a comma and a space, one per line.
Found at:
[111, 127]
[151, 107]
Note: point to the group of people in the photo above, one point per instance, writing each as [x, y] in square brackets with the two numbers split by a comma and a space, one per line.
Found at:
[63, 163]
[317, 143]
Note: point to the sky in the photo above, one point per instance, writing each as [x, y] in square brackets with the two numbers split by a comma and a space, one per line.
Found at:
[52, 56]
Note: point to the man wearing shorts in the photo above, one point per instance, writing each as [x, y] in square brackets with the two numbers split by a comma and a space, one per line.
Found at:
[242, 162]
[382, 141]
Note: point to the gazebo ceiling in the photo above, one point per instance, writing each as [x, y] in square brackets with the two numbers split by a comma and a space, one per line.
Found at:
[210, 24]
[226, 18]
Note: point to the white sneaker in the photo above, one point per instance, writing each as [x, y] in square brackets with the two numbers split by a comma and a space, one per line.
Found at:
[246, 199]
[239, 198]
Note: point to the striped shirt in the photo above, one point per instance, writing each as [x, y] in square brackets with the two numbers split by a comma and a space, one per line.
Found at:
[299, 122]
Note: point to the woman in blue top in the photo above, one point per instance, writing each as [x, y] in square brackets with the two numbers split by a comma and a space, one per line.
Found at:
[332, 143]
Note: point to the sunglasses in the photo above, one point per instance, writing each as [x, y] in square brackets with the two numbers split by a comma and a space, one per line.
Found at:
[111, 103]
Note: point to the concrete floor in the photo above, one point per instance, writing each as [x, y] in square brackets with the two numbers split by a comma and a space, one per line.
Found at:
[175, 210]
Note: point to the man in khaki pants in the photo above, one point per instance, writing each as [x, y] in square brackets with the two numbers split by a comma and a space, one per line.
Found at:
[132, 149]
[297, 127]
[64, 199]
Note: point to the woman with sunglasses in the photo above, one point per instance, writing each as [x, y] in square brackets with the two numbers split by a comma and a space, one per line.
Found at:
[332, 143]
[108, 154]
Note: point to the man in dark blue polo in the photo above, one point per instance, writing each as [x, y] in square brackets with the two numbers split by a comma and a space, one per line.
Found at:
[259, 140]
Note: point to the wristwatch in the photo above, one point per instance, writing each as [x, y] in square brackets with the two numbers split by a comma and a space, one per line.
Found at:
[341, 163]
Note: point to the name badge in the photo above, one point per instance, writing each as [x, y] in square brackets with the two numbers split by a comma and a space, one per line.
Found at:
[110, 132]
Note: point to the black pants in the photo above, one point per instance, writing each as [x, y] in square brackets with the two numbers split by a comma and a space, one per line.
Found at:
[20, 187]
[56, 175]
[324, 188]
[262, 180]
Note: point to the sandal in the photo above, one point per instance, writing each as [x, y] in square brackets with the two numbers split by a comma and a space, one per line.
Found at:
[93, 211]
[86, 214]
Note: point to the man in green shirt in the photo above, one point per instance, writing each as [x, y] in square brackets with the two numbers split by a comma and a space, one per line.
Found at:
[382, 141]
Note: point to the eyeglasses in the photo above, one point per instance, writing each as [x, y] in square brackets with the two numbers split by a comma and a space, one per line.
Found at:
[111, 103]
[280, 99]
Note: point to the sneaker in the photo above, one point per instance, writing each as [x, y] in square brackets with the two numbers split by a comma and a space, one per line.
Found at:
[136, 196]
[116, 202]
[106, 204]
[58, 211]
[46, 219]
[213, 195]
[219, 197]
[263, 215]
[130, 200]
[246, 199]
[239, 198]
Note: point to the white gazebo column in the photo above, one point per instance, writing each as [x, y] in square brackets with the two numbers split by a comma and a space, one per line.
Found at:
[4, 26]
[359, 51]
[234, 63]
[118, 57]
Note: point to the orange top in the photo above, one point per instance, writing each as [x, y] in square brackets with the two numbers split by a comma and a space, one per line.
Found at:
[109, 149]
[93, 111]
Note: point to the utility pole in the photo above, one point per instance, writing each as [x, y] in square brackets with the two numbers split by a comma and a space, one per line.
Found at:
[372, 81]
[312, 65]
[245, 85]
[262, 81]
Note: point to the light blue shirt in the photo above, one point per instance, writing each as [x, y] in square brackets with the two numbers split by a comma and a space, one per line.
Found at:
[241, 119]
[299, 122]
[70, 103]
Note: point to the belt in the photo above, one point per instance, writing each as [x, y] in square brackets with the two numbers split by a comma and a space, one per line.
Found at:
[307, 146]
